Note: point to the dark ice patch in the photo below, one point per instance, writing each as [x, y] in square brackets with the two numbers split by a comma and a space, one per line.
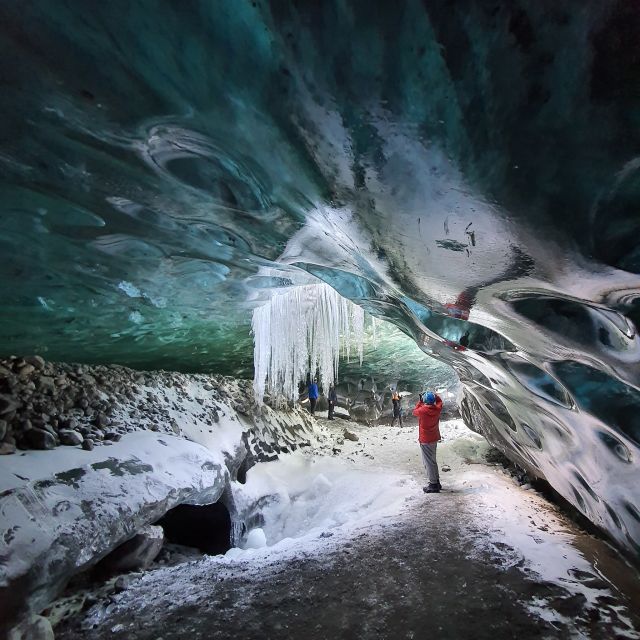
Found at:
[71, 477]
[451, 245]
[123, 467]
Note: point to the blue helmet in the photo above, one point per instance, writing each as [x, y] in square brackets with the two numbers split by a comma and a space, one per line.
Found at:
[429, 397]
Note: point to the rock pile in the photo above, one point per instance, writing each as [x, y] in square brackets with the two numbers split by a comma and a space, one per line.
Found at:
[44, 405]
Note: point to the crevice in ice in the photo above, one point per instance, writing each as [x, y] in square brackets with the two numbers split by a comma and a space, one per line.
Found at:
[206, 527]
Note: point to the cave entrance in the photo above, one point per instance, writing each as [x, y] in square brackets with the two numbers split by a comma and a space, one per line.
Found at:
[207, 527]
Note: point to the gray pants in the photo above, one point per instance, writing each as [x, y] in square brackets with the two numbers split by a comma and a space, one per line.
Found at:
[429, 460]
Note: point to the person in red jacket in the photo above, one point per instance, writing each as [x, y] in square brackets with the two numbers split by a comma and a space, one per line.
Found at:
[428, 413]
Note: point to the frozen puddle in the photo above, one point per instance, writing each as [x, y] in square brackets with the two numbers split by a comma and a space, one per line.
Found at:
[299, 497]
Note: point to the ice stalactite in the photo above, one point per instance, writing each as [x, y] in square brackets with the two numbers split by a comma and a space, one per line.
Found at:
[299, 331]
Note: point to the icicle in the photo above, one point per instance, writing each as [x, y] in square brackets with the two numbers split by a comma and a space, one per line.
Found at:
[303, 330]
[357, 321]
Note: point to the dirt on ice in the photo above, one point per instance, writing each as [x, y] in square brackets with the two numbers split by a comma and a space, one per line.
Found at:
[485, 558]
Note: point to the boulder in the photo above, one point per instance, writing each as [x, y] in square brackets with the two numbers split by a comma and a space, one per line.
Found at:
[3, 429]
[348, 435]
[8, 404]
[7, 448]
[121, 584]
[40, 439]
[35, 361]
[137, 553]
[70, 437]
[46, 383]
[26, 370]
[88, 444]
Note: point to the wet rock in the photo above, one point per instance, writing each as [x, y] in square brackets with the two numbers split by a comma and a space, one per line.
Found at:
[26, 370]
[36, 361]
[348, 435]
[8, 404]
[88, 444]
[121, 584]
[69, 423]
[46, 383]
[61, 381]
[101, 421]
[40, 439]
[69, 437]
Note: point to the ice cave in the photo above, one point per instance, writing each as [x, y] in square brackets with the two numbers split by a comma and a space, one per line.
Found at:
[212, 210]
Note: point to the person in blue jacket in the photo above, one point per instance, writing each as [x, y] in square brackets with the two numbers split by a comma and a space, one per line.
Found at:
[313, 396]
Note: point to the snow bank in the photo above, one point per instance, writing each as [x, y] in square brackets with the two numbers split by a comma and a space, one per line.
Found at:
[182, 439]
[63, 510]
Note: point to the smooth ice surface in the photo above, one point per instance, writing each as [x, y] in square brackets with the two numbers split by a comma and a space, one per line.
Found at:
[446, 168]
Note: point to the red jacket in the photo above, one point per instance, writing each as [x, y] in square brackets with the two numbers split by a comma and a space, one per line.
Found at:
[428, 419]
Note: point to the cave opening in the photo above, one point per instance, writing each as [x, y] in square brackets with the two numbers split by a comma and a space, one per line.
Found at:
[204, 527]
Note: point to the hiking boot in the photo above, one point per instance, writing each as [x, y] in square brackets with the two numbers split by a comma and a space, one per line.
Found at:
[432, 488]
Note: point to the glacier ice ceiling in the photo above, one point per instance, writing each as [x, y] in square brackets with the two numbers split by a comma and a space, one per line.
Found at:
[448, 167]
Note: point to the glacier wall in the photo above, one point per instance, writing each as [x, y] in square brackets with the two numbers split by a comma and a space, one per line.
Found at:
[447, 168]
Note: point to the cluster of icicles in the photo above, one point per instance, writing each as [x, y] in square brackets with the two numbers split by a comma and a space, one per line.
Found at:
[301, 331]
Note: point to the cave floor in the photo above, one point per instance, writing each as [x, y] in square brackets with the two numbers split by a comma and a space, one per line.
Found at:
[484, 559]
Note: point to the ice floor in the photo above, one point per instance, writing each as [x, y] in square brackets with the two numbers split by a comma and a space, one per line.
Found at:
[312, 511]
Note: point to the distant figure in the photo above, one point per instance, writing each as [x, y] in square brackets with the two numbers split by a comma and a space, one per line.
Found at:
[428, 413]
[464, 340]
[313, 397]
[396, 401]
[333, 400]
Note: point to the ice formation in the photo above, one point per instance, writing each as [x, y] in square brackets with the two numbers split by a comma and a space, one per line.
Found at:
[300, 331]
[450, 168]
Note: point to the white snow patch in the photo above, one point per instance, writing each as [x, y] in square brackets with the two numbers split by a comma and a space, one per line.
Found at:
[130, 289]
[301, 497]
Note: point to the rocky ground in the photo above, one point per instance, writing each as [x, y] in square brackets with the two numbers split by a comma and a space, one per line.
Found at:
[44, 405]
[486, 558]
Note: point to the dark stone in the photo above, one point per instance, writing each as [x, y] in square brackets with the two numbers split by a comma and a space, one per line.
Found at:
[121, 584]
[26, 370]
[8, 404]
[35, 361]
[69, 437]
[348, 435]
[5, 373]
[87, 444]
[3, 429]
[7, 448]
[40, 439]
[101, 421]
[45, 383]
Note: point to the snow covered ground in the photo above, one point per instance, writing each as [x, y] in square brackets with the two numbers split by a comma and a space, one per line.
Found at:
[317, 504]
